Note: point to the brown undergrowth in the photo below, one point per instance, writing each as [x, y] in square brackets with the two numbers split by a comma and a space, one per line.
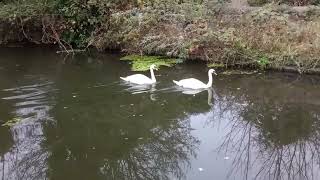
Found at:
[272, 36]
[267, 37]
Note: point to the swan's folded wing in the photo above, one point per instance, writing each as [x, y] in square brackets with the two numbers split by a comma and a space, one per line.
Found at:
[138, 78]
[191, 83]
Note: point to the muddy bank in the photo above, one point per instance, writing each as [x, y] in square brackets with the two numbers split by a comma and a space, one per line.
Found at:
[273, 37]
[269, 37]
[34, 30]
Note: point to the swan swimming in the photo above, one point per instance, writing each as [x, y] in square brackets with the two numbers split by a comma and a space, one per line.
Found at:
[140, 78]
[192, 83]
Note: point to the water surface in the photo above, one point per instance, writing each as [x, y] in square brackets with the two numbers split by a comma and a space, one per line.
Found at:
[76, 120]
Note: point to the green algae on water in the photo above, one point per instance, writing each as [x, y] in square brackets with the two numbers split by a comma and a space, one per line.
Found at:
[12, 122]
[142, 63]
[216, 65]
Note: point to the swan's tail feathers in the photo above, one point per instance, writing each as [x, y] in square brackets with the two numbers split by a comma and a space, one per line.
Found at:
[176, 82]
[125, 79]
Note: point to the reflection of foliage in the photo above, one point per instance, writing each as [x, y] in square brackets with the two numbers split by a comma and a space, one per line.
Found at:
[6, 140]
[118, 136]
[269, 137]
[163, 154]
[288, 126]
[26, 159]
[88, 135]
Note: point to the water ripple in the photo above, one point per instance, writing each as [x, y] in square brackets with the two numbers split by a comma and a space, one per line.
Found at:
[31, 101]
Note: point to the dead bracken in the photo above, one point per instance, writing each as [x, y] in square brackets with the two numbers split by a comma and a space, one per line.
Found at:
[264, 36]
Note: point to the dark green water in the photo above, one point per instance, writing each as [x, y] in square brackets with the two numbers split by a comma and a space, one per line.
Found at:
[77, 121]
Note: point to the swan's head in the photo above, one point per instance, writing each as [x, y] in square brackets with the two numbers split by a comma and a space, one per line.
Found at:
[153, 66]
[212, 71]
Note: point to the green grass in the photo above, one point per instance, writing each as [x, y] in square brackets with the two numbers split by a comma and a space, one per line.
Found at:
[215, 65]
[142, 63]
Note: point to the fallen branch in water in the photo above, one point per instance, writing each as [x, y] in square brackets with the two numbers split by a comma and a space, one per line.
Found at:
[71, 51]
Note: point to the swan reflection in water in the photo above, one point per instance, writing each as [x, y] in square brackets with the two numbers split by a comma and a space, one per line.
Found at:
[142, 88]
[197, 91]
[269, 138]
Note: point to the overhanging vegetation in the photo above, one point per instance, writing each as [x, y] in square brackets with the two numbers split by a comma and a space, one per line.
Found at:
[268, 36]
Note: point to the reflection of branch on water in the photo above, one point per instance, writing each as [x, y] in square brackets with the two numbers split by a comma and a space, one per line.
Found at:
[160, 158]
[293, 161]
[158, 151]
[26, 159]
[270, 140]
[31, 166]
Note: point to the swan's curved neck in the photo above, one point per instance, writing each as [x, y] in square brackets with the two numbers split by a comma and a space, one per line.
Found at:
[153, 78]
[210, 80]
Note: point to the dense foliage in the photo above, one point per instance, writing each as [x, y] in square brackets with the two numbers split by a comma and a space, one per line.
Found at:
[84, 17]
[209, 30]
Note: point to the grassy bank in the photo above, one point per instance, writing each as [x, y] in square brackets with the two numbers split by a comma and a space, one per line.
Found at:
[265, 35]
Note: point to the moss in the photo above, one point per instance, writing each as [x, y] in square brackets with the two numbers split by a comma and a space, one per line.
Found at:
[142, 63]
[263, 62]
[215, 65]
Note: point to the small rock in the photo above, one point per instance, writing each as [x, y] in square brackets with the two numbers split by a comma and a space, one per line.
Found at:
[226, 158]
[140, 138]
[126, 138]
[200, 169]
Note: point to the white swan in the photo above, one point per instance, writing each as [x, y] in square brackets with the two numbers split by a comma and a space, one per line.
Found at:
[140, 78]
[192, 83]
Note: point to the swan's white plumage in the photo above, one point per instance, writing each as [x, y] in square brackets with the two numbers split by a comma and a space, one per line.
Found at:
[193, 83]
[190, 83]
[140, 78]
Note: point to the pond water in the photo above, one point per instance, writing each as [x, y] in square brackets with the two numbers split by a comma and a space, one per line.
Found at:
[72, 118]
